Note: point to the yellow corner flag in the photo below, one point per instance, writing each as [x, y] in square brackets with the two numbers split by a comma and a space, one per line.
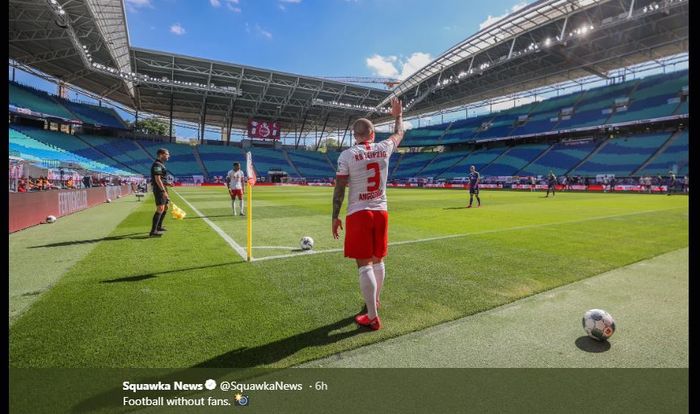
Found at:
[178, 213]
[250, 172]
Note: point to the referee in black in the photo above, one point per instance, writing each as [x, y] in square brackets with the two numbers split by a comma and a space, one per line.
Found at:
[160, 191]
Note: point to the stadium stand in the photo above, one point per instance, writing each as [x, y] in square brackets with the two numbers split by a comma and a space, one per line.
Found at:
[23, 142]
[655, 97]
[593, 107]
[265, 159]
[479, 158]
[442, 162]
[311, 164]
[621, 156]
[94, 115]
[561, 158]
[123, 150]
[219, 159]
[37, 101]
[182, 162]
[504, 122]
[411, 164]
[675, 154]
[418, 137]
[463, 130]
[70, 144]
[514, 159]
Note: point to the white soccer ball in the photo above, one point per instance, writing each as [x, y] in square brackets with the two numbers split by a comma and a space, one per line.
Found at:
[109, 200]
[306, 243]
[598, 324]
[51, 219]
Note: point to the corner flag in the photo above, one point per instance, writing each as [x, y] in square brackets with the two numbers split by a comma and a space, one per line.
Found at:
[250, 172]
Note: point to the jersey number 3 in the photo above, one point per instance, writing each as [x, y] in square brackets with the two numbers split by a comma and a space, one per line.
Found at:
[375, 180]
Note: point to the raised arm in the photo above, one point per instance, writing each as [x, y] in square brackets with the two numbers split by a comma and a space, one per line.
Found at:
[338, 196]
[397, 113]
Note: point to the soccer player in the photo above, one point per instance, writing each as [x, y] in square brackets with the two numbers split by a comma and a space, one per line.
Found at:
[160, 191]
[474, 178]
[234, 181]
[551, 183]
[672, 183]
[364, 167]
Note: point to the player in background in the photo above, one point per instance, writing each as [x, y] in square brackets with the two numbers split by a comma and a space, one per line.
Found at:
[671, 183]
[364, 167]
[551, 183]
[234, 181]
[474, 178]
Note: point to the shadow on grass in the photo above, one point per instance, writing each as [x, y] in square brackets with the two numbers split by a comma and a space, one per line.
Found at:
[145, 276]
[238, 364]
[86, 241]
[588, 344]
[455, 208]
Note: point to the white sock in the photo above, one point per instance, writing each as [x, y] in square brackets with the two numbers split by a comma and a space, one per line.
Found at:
[241, 201]
[368, 287]
[379, 274]
[233, 205]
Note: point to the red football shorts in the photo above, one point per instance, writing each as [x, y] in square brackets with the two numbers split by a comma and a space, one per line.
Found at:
[236, 193]
[366, 234]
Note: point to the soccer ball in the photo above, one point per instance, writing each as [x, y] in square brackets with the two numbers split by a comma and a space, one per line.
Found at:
[109, 200]
[51, 219]
[306, 243]
[598, 324]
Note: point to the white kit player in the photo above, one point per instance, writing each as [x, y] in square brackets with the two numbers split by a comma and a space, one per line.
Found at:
[364, 168]
[234, 180]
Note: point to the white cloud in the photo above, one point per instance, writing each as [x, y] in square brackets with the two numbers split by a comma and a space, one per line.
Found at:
[388, 66]
[134, 5]
[414, 62]
[383, 65]
[177, 29]
[262, 32]
[230, 4]
[492, 19]
[290, 1]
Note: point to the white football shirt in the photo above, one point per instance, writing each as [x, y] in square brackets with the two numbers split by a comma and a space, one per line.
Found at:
[367, 166]
[235, 179]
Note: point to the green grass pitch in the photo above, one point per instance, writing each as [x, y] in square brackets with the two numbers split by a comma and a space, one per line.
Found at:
[189, 300]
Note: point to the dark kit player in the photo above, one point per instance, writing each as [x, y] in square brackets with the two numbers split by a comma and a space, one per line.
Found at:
[474, 178]
[160, 191]
[551, 183]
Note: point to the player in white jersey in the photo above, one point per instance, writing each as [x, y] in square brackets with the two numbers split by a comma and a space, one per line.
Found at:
[365, 167]
[234, 181]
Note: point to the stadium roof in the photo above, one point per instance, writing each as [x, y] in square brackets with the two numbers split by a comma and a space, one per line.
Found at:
[86, 43]
[544, 43]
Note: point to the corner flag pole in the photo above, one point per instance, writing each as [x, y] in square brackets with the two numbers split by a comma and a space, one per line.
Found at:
[250, 172]
[250, 221]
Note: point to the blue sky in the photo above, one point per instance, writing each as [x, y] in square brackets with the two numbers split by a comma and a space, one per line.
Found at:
[388, 38]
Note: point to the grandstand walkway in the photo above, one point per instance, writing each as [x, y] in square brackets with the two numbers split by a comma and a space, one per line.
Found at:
[648, 299]
[659, 151]
[195, 152]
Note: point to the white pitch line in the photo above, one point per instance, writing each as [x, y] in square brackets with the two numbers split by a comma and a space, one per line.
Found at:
[454, 236]
[236, 247]
[275, 247]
